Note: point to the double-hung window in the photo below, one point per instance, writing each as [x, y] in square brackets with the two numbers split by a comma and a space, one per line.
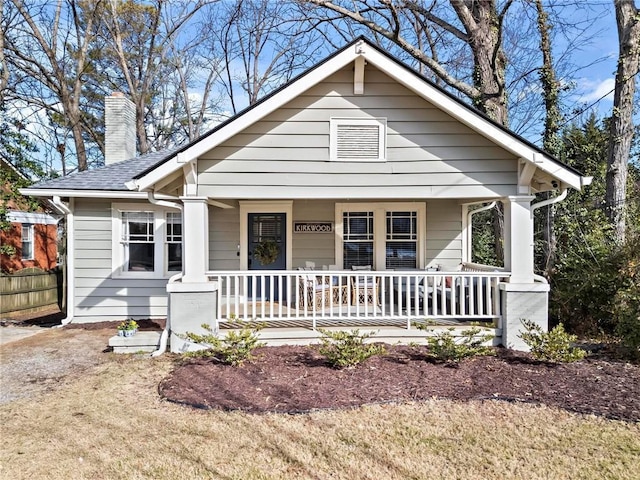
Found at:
[147, 240]
[385, 235]
[27, 241]
[358, 239]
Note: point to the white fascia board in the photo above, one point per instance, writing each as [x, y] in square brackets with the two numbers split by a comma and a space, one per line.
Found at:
[263, 109]
[471, 119]
[42, 192]
[31, 217]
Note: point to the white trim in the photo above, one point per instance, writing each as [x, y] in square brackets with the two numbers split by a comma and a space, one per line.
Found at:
[275, 206]
[380, 210]
[15, 216]
[159, 232]
[120, 194]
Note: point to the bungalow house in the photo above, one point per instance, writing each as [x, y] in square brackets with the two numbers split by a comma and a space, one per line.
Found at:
[342, 199]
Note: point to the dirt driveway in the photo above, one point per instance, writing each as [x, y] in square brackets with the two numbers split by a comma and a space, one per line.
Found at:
[41, 362]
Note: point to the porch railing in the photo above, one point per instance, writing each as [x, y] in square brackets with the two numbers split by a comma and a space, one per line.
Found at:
[377, 296]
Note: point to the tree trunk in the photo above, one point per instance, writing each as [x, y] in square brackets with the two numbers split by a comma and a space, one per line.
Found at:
[551, 140]
[621, 130]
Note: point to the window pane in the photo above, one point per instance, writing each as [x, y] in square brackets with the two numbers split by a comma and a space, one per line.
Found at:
[140, 257]
[402, 238]
[175, 257]
[357, 253]
[138, 226]
[401, 255]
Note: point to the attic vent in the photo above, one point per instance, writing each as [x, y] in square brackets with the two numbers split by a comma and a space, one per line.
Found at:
[354, 139]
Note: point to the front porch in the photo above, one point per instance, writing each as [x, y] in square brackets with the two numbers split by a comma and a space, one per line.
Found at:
[321, 298]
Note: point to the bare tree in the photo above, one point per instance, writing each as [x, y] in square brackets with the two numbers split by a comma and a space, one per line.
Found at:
[264, 44]
[141, 36]
[621, 129]
[48, 50]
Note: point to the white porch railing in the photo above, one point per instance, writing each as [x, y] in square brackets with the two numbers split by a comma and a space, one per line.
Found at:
[397, 297]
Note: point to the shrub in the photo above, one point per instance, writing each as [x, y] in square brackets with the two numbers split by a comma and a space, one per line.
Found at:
[552, 346]
[233, 349]
[446, 347]
[347, 349]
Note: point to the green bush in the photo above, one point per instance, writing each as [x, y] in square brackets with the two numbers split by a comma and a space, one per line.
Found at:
[552, 346]
[347, 349]
[233, 349]
[446, 347]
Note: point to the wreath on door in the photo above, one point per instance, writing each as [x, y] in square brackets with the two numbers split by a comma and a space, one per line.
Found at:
[266, 252]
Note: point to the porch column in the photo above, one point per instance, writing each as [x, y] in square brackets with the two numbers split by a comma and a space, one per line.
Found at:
[195, 255]
[522, 297]
[518, 233]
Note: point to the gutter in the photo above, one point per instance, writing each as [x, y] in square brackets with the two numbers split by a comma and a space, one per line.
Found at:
[470, 214]
[164, 336]
[550, 201]
[68, 212]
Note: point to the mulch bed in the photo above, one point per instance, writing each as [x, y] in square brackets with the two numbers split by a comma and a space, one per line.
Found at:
[294, 379]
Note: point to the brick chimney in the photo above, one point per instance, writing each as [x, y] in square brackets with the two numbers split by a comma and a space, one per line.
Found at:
[120, 128]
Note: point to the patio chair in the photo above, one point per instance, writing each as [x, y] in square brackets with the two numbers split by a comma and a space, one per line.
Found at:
[365, 289]
[316, 292]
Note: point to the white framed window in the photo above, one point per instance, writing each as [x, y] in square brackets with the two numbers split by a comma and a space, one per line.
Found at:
[27, 241]
[385, 235]
[147, 241]
[173, 241]
[358, 139]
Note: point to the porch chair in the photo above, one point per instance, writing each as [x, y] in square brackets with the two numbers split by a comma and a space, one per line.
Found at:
[314, 291]
[365, 288]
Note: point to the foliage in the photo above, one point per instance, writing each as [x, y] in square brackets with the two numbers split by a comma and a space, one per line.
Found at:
[446, 347]
[128, 325]
[590, 268]
[626, 303]
[347, 349]
[233, 349]
[552, 346]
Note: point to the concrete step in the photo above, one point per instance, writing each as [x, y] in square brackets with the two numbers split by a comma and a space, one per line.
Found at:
[145, 341]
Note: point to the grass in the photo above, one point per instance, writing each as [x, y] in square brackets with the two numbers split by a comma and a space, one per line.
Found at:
[111, 424]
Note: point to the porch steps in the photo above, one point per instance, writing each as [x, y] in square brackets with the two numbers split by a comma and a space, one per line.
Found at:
[144, 341]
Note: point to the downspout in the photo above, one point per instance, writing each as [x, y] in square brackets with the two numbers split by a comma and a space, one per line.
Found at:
[164, 336]
[544, 203]
[470, 214]
[68, 212]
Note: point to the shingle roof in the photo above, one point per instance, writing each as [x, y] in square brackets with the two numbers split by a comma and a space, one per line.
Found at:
[109, 177]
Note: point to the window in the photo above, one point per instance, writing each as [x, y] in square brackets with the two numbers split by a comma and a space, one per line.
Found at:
[358, 239]
[173, 241]
[27, 241]
[147, 241]
[402, 240]
[138, 241]
[385, 235]
[358, 139]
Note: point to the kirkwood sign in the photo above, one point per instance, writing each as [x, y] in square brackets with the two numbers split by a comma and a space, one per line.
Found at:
[312, 227]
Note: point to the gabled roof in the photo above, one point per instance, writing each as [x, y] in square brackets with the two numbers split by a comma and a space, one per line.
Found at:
[153, 168]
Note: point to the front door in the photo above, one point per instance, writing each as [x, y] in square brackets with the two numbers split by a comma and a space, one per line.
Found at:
[267, 249]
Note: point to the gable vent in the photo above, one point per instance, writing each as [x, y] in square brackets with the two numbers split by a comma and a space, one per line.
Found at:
[357, 139]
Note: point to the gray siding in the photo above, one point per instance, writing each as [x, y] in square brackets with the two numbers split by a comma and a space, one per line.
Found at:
[97, 296]
[429, 153]
[444, 233]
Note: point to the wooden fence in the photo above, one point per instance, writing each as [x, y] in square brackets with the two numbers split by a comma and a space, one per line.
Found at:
[30, 289]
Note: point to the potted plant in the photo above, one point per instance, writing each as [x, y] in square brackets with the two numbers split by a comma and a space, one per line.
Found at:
[128, 328]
